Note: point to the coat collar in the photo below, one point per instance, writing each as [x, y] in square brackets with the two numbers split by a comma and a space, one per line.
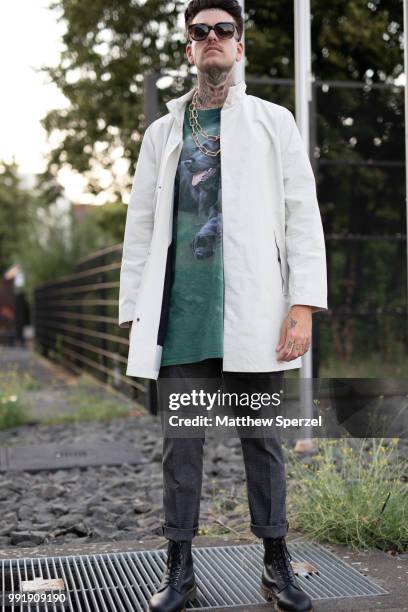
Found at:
[176, 106]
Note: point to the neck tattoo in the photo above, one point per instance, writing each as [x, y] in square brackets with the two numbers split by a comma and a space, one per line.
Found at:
[213, 87]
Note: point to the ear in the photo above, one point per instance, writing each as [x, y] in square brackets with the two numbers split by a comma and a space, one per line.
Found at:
[189, 53]
[240, 50]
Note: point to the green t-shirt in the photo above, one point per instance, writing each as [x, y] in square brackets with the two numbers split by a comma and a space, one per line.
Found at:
[195, 325]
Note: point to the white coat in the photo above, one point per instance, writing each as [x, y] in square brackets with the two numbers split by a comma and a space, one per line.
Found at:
[273, 242]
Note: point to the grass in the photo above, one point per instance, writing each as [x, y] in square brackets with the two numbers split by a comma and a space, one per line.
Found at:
[91, 403]
[89, 409]
[222, 502]
[372, 366]
[13, 401]
[359, 498]
[85, 381]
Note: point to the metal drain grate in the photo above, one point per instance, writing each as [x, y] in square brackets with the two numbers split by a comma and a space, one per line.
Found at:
[53, 456]
[227, 576]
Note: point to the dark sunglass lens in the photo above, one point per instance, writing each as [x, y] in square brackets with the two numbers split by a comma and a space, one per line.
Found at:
[199, 32]
[224, 30]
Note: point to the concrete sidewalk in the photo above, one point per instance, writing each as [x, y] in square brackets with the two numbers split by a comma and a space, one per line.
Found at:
[390, 572]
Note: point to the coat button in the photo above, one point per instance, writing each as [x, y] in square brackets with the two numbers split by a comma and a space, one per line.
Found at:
[137, 319]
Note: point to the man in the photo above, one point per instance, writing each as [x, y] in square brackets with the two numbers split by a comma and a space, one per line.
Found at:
[223, 265]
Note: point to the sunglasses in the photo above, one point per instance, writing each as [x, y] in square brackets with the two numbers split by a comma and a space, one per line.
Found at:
[223, 30]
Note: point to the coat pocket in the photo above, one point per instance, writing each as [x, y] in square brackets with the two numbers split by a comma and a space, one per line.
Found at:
[156, 199]
[282, 265]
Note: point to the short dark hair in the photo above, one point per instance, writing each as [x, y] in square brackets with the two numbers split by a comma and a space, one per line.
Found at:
[230, 6]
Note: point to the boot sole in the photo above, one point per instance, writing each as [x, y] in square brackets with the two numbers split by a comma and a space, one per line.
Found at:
[270, 596]
[190, 595]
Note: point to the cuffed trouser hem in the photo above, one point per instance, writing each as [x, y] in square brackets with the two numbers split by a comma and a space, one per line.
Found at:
[179, 535]
[270, 531]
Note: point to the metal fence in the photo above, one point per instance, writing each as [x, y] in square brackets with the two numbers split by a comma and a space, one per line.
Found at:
[76, 320]
[76, 323]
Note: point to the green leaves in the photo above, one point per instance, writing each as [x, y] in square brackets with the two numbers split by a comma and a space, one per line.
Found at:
[108, 47]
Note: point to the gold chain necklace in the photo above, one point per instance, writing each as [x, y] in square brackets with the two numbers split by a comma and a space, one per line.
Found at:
[197, 129]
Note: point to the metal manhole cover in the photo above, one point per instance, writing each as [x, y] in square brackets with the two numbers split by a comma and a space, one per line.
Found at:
[52, 456]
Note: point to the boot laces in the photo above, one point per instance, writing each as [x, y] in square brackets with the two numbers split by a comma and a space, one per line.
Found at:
[174, 563]
[281, 560]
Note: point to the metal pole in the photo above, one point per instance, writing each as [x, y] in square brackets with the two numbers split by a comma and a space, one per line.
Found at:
[303, 93]
[406, 116]
[150, 97]
[239, 69]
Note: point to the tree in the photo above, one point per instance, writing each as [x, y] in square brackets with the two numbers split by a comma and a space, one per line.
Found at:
[43, 237]
[15, 209]
[109, 45]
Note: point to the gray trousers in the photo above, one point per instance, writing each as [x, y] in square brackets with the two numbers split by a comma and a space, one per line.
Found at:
[183, 460]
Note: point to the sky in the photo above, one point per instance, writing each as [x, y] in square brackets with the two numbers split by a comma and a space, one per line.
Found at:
[29, 38]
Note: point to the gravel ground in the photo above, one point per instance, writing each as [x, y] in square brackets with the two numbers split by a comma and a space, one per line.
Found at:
[108, 503]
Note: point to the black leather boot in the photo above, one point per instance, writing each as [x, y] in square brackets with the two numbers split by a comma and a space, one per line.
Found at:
[177, 585]
[279, 582]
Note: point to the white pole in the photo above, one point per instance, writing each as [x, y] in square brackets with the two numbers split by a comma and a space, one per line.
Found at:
[303, 92]
[406, 113]
[239, 70]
